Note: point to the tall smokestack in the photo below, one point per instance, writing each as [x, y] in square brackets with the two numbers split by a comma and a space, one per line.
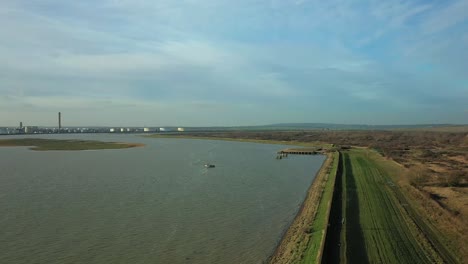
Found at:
[21, 125]
[60, 121]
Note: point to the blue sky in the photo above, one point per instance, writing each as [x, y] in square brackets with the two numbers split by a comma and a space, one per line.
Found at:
[223, 62]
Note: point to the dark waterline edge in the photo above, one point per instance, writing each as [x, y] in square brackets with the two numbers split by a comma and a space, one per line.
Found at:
[305, 203]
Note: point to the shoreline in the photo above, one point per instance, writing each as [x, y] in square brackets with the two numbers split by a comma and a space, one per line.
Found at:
[294, 241]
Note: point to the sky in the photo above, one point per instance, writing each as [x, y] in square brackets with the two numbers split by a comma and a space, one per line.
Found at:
[230, 63]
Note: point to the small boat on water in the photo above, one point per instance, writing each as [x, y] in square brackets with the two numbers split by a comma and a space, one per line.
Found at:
[209, 165]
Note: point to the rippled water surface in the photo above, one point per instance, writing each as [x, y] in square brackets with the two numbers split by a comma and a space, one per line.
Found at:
[156, 204]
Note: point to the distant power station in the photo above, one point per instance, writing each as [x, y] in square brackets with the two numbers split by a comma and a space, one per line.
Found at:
[27, 129]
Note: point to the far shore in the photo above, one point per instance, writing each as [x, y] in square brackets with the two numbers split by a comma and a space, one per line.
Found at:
[260, 141]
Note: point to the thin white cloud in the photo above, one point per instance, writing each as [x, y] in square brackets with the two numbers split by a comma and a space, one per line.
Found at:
[397, 13]
[449, 16]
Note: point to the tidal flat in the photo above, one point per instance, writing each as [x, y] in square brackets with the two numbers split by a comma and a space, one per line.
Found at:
[42, 144]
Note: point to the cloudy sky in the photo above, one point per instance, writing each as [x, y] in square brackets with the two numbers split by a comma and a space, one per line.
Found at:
[224, 62]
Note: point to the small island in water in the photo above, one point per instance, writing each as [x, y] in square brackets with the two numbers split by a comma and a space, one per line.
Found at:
[41, 144]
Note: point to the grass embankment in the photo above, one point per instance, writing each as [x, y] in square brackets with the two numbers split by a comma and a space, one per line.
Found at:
[58, 144]
[304, 238]
[314, 250]
[379, 225]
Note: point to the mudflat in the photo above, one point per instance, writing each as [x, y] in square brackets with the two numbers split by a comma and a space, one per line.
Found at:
[41, 144]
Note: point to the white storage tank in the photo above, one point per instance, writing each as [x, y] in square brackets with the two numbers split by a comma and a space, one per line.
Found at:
[180, 129]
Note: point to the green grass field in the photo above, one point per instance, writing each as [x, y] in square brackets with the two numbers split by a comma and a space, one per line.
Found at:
[377, 227]
[56, 144]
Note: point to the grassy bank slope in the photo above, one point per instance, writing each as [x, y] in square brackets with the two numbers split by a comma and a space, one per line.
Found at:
[379, 225]
[55, 144]
[303, 239]
[314, 249]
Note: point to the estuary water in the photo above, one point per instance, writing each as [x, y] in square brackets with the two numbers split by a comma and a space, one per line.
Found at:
[154, 204]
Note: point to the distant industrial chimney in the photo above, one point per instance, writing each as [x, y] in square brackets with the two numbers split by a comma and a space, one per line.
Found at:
[21, 125]
[60, 121]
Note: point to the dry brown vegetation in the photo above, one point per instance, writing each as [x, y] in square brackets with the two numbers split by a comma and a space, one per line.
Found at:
[435, 166]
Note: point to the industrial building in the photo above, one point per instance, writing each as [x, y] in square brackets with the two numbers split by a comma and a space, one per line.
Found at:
[31, 129]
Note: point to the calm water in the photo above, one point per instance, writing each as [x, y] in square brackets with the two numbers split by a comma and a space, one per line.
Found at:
[156, 204]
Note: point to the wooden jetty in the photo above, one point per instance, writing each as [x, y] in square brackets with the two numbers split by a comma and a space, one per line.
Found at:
[300, 151]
